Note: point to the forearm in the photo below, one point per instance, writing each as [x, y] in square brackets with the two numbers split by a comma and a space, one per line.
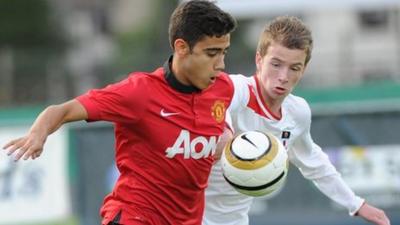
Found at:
[337, 190]
[224, 138]
[54, 116]
[49, 120]
[315, 165]
[317, 168]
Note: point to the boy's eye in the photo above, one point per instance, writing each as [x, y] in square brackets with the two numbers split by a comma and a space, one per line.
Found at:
[215, 52]
[211, 54]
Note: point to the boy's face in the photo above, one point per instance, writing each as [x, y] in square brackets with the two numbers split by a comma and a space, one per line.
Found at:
[279, 71]
[201, 65]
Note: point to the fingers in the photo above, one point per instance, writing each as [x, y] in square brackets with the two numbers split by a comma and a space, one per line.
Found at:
[9, 144]
[28, 151]
[13, 145]
[382, 219]
[373, 214]
[23, 148]
[36, 155]
[22, 152]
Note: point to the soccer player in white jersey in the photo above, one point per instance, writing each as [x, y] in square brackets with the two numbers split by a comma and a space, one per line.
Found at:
[264, 102]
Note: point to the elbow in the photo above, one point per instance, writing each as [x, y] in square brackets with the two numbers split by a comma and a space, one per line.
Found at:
[57, 112]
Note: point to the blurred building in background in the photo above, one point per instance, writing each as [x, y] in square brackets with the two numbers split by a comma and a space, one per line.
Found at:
[355, 41]
[54, 50]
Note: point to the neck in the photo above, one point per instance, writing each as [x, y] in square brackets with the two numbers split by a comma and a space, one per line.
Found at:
[178, 71]
[274, 105]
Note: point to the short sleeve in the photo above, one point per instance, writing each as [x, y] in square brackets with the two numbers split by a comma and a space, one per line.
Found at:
[120, 102]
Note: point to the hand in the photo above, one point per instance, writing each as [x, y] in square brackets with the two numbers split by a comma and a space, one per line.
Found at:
[224, 139]
[46, 123]
[28, 146]
[373, 215]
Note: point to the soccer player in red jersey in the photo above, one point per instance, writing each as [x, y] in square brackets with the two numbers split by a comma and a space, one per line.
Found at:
[167, 123]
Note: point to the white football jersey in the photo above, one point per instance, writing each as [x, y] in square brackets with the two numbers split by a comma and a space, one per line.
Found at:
[226, 206]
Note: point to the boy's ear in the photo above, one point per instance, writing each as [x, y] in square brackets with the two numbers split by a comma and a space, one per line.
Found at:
[258, 60]
[181, 47]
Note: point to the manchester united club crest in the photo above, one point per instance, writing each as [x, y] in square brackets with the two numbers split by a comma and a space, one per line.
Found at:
[218, 111]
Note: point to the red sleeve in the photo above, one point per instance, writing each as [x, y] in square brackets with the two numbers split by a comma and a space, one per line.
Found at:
[120, 102]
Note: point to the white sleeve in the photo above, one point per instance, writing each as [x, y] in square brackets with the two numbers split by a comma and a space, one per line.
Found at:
[228, 121]
[315, 165]
[241, 92]
[239, 99]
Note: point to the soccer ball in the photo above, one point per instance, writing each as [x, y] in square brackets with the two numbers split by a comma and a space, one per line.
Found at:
[255, 163]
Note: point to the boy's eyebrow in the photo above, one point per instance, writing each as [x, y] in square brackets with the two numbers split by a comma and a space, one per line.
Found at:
[298, 64]
[294, 64]
[277, 59]
[216, 49]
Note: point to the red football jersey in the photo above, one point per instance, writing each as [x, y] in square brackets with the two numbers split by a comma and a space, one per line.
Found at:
[166, 134]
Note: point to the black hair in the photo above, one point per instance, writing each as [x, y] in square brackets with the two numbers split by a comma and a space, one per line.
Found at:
[193, 20]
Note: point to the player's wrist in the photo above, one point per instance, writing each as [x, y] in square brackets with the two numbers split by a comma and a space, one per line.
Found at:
[359, 208]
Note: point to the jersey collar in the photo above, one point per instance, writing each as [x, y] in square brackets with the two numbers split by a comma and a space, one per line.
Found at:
[264, 103]
[170, 77]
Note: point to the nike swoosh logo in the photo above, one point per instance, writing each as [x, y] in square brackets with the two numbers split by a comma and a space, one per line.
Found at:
[244, 137]
[166, 114]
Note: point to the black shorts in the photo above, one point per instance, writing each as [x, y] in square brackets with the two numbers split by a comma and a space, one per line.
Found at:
[116, 219]
[113, 223]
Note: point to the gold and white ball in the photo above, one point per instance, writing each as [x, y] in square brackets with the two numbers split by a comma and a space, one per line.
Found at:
[255, 163]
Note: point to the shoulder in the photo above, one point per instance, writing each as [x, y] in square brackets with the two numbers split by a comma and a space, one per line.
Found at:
[241, 93]
[134, 84]
[241, 80]
[242, 84]
[299, 108]
[224, 78]
[223, 84]
[147, 77]
[143, 80]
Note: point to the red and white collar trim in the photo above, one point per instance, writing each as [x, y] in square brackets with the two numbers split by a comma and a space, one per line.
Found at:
[263, 104]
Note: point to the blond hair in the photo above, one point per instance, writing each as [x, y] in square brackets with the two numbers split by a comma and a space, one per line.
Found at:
[288, 31]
